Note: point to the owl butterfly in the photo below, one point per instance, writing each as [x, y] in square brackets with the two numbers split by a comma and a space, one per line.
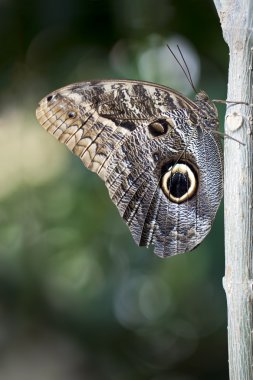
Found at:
[155, 149]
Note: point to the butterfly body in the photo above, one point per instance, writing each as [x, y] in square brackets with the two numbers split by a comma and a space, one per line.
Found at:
[155, 150]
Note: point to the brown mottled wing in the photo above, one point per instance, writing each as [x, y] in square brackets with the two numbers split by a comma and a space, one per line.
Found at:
[107, 124]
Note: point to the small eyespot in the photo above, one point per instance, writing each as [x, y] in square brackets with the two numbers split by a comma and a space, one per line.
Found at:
[72, 114]
[49, 98]
[160, 127]
[179, 182]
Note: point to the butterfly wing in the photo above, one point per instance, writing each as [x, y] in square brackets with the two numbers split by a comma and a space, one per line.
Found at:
[163, 170]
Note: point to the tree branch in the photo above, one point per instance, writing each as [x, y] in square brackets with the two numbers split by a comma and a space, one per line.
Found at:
[237, 21]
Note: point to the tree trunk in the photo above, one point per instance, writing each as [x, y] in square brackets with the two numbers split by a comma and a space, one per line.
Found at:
[236, 21]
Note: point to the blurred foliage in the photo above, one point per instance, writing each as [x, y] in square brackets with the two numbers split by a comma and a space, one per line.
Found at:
[78, 299]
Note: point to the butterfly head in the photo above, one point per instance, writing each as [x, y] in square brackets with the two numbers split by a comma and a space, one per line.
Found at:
[206, 107]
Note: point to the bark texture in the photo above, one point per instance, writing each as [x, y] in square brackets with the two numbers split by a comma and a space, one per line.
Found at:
[236, 17]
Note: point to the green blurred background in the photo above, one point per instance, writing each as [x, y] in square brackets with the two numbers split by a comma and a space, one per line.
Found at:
[78, 299]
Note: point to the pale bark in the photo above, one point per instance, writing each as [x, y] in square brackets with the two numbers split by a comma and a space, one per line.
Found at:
[236, 17]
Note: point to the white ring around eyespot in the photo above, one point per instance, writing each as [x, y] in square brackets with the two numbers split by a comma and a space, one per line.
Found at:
[184, 169]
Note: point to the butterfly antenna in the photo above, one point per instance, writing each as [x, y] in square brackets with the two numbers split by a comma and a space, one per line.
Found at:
[186, 70]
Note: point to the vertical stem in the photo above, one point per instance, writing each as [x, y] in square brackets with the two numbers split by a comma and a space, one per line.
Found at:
[236, 22]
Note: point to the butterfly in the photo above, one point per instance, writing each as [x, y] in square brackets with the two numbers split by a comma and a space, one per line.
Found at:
[155, 149]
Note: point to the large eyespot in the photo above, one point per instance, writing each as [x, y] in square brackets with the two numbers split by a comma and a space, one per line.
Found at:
[179, 182]
[160, 127]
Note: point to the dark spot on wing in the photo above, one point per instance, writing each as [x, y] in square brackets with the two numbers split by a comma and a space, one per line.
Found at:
[126, 124]
[130, 125]
[140, 91]
[169, 101]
